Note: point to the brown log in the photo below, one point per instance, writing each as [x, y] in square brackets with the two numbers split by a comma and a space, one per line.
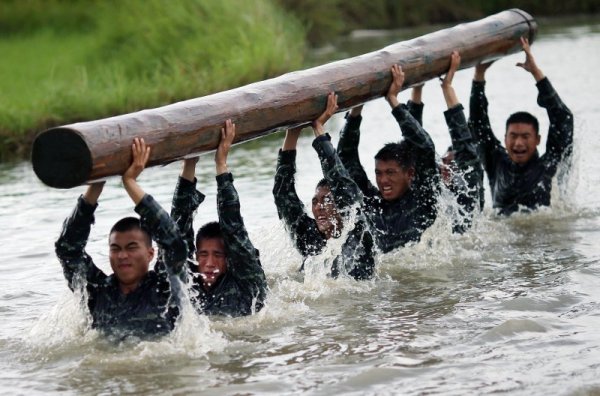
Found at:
[70, 155]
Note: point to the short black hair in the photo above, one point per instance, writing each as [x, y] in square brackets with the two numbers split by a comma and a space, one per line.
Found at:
[323, 183]
[523, 117]
[399, 152]
[129, 224]
[208, 231]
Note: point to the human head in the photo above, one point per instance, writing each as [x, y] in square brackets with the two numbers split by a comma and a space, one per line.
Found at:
[522, 137]
[325, 212]
[130, 252]
[448, 166]
[394, 170]
[210, 254]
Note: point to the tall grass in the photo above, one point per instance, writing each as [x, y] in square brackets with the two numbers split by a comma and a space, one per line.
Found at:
[66, 61]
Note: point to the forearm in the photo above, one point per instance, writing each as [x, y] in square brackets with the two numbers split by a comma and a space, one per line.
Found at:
[411, 130]
[462, 140]
[186, 200]
[450, 96]
[133, 189]
[164, 231]
[289, 206]
[344, 189]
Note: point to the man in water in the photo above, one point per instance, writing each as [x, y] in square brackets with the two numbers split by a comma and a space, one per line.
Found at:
[228, 278]
[336, 199]
[519, 178]
[133, 300]
[404, 203]
[460, 169]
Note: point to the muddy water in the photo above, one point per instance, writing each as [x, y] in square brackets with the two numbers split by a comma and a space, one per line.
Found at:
[512, 306]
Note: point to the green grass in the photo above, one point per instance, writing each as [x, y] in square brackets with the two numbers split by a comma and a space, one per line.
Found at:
[66, 61]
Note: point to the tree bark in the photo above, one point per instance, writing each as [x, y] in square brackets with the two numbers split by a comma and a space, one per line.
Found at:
[71, 155]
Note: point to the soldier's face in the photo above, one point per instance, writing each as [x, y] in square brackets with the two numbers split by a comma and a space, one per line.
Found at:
[521, 141]
[130, 255]
[212, 262]
[392, 180]
[329, 221]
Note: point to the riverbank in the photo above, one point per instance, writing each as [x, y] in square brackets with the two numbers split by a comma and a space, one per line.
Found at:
[67, 61]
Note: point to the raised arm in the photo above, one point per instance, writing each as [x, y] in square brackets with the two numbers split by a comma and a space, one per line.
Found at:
[560, 133]
[70, 246]
[348, 152]
[479, 122]
[415, 104]
[186, 200]
[243, 259]
[468, 183]
[344, 190]
[152, 216]
[290, 209]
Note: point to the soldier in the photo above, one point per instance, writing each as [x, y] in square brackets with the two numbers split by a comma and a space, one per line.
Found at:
[228, 276]
[404, 203]
[336, 197]
[460, 169]
[519, 178]
[133, 300]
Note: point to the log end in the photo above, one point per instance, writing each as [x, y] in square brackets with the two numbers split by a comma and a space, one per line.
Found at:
[61, 158]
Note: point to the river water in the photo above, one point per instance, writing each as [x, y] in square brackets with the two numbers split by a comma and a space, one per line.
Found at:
[511, 306]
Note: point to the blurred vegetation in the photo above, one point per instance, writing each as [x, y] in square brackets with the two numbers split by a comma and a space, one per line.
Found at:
[67, 60]
[326, 19]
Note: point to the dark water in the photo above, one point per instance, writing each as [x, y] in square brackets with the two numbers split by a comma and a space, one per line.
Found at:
[512, 306]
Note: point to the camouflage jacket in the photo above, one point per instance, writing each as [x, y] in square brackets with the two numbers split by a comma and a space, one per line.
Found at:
[467, 182]
[528, 185]
[153, 307]
[243, 288]
[401, 221]
[356, 257]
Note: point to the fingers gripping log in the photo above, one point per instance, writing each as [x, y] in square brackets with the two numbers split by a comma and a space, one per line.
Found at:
[70, 155]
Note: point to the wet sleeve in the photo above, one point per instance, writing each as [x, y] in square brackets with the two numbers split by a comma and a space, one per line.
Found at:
[186, 200]
[162, 228]
[348, 153]
[345, 191]
[426, 181]
[242, 258]
[70, 247]
[560, 133]
[468, 184]
[479, 124]
[416, 110]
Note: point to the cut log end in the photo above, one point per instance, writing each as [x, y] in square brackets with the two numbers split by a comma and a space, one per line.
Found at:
[61, 158]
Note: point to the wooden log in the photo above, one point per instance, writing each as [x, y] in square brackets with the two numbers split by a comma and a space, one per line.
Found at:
[70, 155]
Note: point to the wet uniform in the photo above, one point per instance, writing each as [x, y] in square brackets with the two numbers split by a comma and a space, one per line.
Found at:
[356, 257]
[515, 186]
[467, 182]
[153, 307]
[403, 220]
[243, 288]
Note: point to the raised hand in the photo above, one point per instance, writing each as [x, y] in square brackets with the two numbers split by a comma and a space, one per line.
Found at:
[480, 70]
[291, 138]
[454, 64]
[395, 86]
[227, 136]
[529, 63]
[140, 153]
[330, 110]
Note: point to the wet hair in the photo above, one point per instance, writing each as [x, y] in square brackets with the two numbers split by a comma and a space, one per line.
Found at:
[523, 117]
[129, 224]
[208, 231]
[399, 152]
[323, 183]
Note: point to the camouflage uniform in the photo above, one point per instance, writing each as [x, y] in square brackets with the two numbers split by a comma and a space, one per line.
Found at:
[403, 220]
[356, 257]
[243, 288]
[528, 185]
[153, 307]
[467, 182]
